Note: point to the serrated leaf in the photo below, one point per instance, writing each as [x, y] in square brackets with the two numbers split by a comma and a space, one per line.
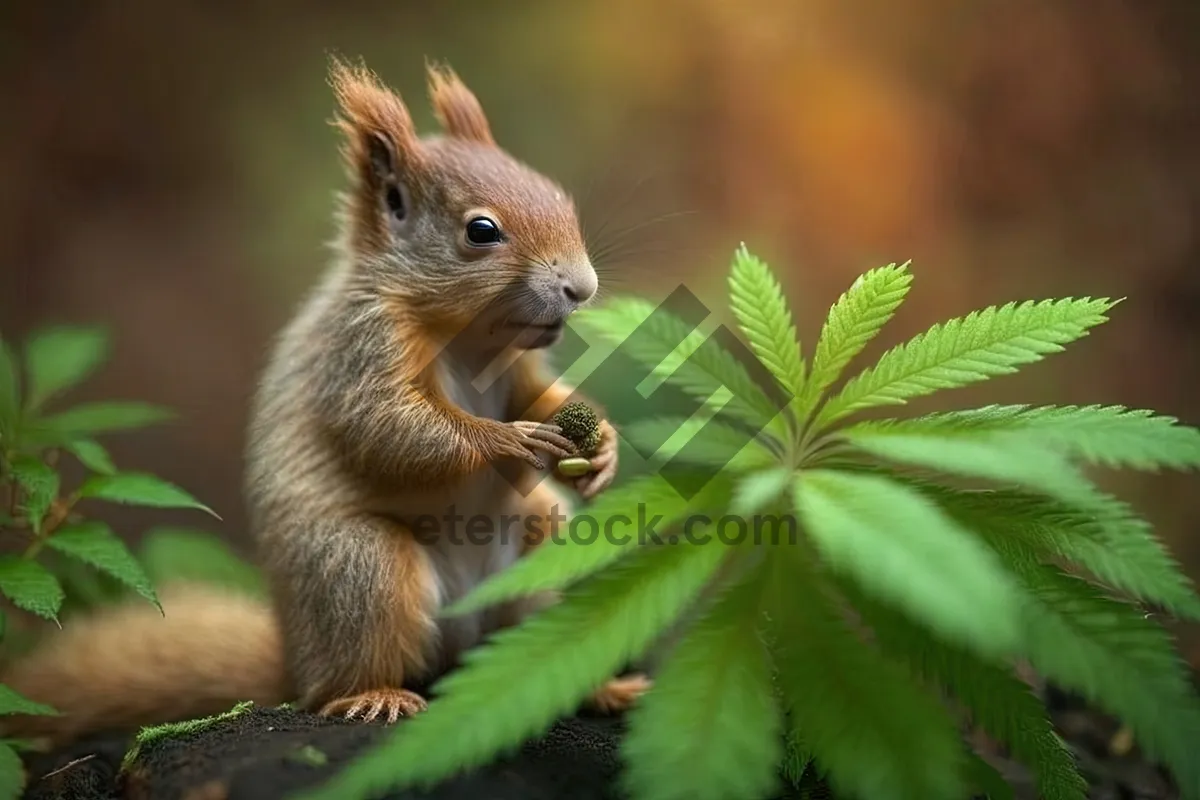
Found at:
[89, 419]
[709, 443]
[11, 702]
[711, 728]
[527, 678]
[1122, 662]
[756, 491]
[172, 555]
[646, 504]
[1019, 461]
[833, 681]
[1108, 436]
[1108, 539]
[901, 548]
[92, 455]
[999, 702]
[139, 489]
[698, 366]
[853, 321]
[757, 301]
[94, 543]
[40, 484]
[30, 586]
[57, 359]
[984, 344]
[10, 393]
[12, 774]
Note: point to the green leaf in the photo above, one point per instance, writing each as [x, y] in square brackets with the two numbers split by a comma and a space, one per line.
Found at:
[1109, 436]
[95, 543]
[757, 490]
[709, 443]
[13, 703]
[901, 548]
[30, 586]
[987, 779]
[139, 489]
[10, 394]
[12, 774]
[40, 483]
[1108, 539]
[61, 357]
[757, 301]
[710, 728]
[527, 678]
[697, 368]
[999, 702]
[1021, 461]
[92, 418]
[984, 344]
[172, 555]
[853, 321]
[92, 455]
[834, 683]
[1121, 661]
[561, 559]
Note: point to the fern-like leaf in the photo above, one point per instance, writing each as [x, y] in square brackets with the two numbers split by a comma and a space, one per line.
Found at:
[1108, 436]
[853, 321]
[1109, 540]
[710, 729]
[998, 701]
[1019, 461]
[901, 548]
[630, 515]
[697, 366]
[870, 728]
[1121, 661]
[983, 344]
[757, 301]
[530, 675]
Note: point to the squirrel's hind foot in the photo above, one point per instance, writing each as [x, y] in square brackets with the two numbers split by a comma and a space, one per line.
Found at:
[392, 704]
[619, 694]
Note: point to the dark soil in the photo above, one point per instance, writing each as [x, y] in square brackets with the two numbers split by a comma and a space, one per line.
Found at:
[266, 753]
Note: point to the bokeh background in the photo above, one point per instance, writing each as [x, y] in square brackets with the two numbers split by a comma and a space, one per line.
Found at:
[166, 169]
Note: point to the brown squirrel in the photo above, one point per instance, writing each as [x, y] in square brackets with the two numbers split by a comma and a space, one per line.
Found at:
[452, 256]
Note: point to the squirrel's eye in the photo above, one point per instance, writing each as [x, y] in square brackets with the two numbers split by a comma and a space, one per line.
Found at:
[482, 232]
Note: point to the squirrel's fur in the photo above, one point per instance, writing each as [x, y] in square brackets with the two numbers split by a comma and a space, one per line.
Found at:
[366, 425]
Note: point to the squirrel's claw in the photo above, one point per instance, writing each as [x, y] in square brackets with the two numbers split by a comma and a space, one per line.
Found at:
[393, 703]
[619, 694]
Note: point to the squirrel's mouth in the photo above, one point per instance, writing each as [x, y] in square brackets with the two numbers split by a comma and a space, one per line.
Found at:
[537, 334]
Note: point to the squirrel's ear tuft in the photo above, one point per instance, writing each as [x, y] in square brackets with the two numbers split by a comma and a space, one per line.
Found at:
[369, 111]
[456, 107]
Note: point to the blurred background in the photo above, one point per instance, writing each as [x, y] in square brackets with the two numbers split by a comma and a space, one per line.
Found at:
[168, 171]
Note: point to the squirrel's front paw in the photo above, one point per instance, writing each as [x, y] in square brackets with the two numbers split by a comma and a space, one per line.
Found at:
[604, 464]
[525, 439]
[391, 703]
[619, 694]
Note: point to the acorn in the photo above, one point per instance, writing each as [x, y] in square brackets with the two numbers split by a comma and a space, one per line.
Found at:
[580, 424]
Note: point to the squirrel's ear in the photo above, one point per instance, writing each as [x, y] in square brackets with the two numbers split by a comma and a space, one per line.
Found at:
[380, 138]
[456, 107]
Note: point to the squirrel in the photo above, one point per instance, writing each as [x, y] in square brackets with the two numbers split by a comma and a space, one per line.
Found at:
[452, 256]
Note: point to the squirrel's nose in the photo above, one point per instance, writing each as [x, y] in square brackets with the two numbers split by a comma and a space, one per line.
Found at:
[578, 284]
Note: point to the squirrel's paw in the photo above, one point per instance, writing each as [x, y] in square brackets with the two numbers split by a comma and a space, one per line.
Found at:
[530, 438]
[619, 694]
[390, 703]
[604, 464]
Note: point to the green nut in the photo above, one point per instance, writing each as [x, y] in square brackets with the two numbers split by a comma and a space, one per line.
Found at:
[574, 467]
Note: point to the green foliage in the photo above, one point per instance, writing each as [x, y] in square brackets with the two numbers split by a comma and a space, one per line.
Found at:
[59, 549]
[180, 555]
[932, 558]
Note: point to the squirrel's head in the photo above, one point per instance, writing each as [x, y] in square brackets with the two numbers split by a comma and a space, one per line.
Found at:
[453, 227]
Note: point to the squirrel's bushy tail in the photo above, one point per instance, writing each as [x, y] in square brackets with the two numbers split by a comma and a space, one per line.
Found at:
[130, 666]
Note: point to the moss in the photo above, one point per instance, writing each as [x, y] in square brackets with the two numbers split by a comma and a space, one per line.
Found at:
[155, 733]
[579, 424]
